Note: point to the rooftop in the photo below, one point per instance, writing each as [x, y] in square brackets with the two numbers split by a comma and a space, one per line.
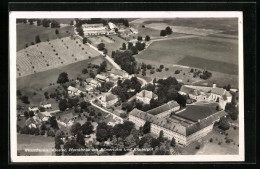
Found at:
[189, 90]
[73, 89]
[198, 112]
[146, 93]
[218, 91]
[99, 76]
[108, 97]
[163, 108]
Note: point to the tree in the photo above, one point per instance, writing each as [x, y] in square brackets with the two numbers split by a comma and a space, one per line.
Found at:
[160, 138]
[155, 143]
[228, 87]
[73, 144]
[224, 124]
[26, 114]
[25, 100]
[173, 142]
[55, 24]
[163, 33]
[63, 78]
[31, 113]
[57, 31]
[130, 45]
[168, 30]
[139, 38]
[37, 39]
[147, 38]
[124, 46]
[85, 71]
[130, 141]
[134, 50]
[147, 127]
[54, 123]
[58, 142]
[80, 138]
[84, 40]
[105, 51]
[81, 32]
[63, 104]
[87, 128]
[71, 23]
[101, 46]
[181, 100]
[39, 22]
[102, 135]
[30, 21]
[75, 128]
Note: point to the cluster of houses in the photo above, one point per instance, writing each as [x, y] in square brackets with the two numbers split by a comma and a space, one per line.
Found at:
[201, 93]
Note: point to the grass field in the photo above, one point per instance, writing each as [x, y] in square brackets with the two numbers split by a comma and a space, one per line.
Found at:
[228, 25]
[26, 34]
[201, 52]
[34, 142]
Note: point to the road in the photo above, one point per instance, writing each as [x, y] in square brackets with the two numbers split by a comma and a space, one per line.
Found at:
[114, 116]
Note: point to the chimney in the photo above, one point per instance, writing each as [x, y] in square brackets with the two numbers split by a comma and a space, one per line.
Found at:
[214, 85]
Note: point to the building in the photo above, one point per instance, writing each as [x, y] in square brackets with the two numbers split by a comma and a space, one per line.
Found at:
[94, 83]
[89, 88]
[117, 73]
[112, 26]
[145, 96]
[102, 78]
[46, 106]
[134, 31]
[108, 100]
[187, 126]
[33, 108]
[94, 29]
[72, 91]
[201, 93]
[165, 110]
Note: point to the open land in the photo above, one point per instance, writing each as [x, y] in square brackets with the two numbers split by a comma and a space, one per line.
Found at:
[28, 32]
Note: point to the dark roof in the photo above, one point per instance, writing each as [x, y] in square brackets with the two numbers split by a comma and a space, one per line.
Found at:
[198, 112]
[165, 107]
[189, 90]
[178, 124]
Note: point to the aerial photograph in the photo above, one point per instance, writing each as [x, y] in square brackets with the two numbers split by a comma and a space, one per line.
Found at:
[127, 86]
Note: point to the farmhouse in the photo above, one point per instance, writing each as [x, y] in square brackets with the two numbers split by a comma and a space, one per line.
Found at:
[116, 73]
[108, 100]
[133, 31]
[186, 127]
[102, 78]
[145, 96]
[165, 110]
[72, 91]
[46, 106]
[89, 88]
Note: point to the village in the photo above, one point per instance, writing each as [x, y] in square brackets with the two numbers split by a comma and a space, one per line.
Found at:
[114, 105]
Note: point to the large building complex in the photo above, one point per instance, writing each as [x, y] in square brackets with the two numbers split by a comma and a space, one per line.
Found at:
[201, 93]
[186, 126]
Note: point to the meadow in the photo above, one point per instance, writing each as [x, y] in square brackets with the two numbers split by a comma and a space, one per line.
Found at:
[201, 52]
[26, 34]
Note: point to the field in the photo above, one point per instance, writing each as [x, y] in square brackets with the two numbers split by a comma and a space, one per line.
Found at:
[33, 83]
[206, 53]
[52, 54]
[34, 142]
[26, 34]
[213, 148]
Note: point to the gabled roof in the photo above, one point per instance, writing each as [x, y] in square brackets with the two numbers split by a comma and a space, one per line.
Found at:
[99, 76]
[146, 93]
[189, 90]
[228, 94]
[108, 97]
[218, 91]
[88, 80]
[165, 107]
[93, 81]
[73, 89]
